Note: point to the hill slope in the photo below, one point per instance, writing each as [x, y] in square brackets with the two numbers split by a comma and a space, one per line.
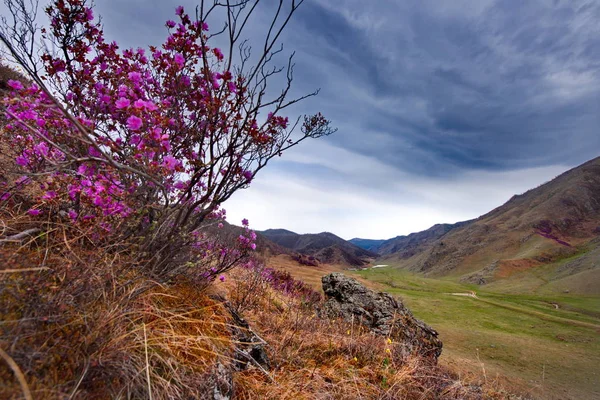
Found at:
[538, 227]
[367, 244]
[326, 247]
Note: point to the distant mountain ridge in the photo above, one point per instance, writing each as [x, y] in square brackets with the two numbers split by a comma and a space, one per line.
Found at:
[408, 244]
[326, 247]
[367, 244]
[543, 225]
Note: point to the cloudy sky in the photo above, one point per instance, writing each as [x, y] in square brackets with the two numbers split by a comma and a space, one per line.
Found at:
[444, 109]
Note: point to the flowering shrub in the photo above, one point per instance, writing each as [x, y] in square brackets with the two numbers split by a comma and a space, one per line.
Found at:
[283, 281]
[146, 144]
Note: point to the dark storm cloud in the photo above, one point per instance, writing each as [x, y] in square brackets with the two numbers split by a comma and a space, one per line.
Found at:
[436, 88]
[514, 85]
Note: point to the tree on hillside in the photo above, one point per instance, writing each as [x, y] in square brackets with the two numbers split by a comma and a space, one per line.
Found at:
[142, 146]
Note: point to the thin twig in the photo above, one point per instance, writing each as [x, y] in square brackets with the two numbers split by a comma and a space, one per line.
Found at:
[147, 364]
[19, 375]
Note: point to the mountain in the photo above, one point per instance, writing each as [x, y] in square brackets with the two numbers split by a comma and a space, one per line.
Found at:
[551, 222]
[411, 244]
[229, 233]
[367, 244]
[325, 247]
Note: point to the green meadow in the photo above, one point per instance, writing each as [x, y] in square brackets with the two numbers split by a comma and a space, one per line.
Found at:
[536, 342]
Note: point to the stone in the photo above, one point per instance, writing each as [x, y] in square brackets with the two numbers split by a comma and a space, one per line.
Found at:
[383, 314]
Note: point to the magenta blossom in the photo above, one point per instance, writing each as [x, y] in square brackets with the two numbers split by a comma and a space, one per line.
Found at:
[179, 60]
[16, 85]
[134, 123]
[170, 162]
[122, 103]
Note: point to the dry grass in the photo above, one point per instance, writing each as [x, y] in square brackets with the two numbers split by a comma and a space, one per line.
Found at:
[79, 320]
[314, 358]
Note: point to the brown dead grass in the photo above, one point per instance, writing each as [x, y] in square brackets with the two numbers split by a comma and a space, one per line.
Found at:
[507, 268]
[313, 358]
[80, 321]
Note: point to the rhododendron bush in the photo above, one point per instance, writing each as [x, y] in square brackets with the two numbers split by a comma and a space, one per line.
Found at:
[144, 145]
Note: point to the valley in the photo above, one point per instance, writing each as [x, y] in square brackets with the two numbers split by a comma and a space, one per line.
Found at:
[521, 339]
[514, 294]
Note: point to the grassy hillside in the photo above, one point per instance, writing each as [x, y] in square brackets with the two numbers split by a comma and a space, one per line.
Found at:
[547, 224]
[545, 344]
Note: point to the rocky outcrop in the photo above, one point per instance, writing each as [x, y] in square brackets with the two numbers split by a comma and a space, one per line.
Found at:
[248, 352]
[381, 313]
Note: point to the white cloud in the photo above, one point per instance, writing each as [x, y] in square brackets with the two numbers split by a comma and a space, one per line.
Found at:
[357, 207]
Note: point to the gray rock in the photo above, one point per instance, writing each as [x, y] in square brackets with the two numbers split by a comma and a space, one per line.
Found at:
[381, 313]
[223, 383]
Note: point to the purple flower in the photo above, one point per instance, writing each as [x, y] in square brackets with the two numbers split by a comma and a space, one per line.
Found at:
[73, 215]
[92, 151]
[34, 211]
[122, 103]
[16, 85]
[139, 103]
[134, 123]
[135, 76]
[248, 175]
[170, 24]
[41, 149]
[218, 53]
[231, 86]
[150, 106]
[253, 246]
[49, 195]
[245, 222]
[179, 10]
[179, 60]
[89, 14]
[170, 162]
[222, 278]
[22, 160]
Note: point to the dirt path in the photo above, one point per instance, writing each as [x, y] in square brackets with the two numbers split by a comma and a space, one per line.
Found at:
[539, 314]
[468, 294]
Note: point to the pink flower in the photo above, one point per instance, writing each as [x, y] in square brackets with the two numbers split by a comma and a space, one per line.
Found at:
[16, 85]
[134, 123]
[170, 162]
[139, 103]
[135, 76]
[41, 149]
[92, 151]
[150, 106]
[217, 52]
[122, 103]
[253, 246]
[231, 86]
[49, 195]
[22, 160]
[89, 14]
[179, 60]
[248, 175]
[73, 215]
